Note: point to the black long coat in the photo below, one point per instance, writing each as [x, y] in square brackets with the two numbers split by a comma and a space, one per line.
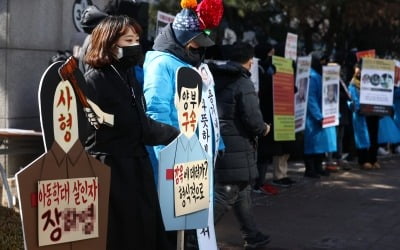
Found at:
[240, 123]
[134, 212]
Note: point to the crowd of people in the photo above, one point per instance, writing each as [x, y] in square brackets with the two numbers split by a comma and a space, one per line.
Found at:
[138, 88]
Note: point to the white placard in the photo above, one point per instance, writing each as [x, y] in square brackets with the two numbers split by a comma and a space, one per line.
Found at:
[291, 46]
[191, 187]
[330, 95]
[162, 20]
[301, 96]
[377, 82]
[67, 210]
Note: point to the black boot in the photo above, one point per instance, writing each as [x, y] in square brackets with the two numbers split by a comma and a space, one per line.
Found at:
[310, 170]
[318, 165]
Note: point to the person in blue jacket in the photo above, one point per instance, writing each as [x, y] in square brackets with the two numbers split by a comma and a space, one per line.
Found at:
[365, 127]
[317, 140]
[396, 116]
[180, 44]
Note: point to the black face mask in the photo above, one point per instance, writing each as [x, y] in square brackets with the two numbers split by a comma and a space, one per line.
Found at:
[195, 56]
[130, 56]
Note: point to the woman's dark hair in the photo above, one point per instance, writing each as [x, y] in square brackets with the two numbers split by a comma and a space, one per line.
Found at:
[241, 52]
[105, 36]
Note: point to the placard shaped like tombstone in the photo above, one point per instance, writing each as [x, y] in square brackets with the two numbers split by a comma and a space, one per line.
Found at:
[48, 84]
[184, 178]
[64, 193]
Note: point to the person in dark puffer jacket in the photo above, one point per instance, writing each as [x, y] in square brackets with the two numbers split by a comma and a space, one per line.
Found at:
[241, 122]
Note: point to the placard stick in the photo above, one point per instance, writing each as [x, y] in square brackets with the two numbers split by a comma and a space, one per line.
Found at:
[180, 240]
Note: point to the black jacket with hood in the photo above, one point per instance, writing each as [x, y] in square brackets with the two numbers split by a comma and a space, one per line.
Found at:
[240, 122]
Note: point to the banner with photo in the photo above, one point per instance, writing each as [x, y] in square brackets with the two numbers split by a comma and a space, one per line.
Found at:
[162, 20]
[377, 83]
[301, 97]
[330, 95]
[283, 99]
[291, 46]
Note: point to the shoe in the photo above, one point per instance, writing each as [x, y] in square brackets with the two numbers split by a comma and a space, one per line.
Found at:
[324, 172]
[283, 182]
[397, 150]
[344, 165]
[288, 180]
[332, 168]
[382, 151]
[259, 241]
[366, 166]
[268, 189]
[311, 175]
[376, 165]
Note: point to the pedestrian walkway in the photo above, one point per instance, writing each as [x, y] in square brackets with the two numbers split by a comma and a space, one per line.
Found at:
[356, 209]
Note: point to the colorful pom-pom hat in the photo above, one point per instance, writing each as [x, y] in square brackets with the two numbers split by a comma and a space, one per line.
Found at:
[187, 26]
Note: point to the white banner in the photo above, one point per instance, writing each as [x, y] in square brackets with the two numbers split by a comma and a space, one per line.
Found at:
[377, 82]
[330, 95]
[301, 97]
[162, 20]
[291, 46]
[67, 210]
[209, 137]
[191, 187]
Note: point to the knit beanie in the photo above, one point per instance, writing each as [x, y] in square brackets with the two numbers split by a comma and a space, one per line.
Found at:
[186, 26]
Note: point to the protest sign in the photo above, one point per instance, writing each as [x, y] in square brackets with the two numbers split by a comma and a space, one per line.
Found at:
[291, 46]
[283, 99]
[376, 88]
[301, 97]
[330, 95]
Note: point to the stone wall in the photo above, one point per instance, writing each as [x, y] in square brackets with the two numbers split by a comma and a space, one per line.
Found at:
[30, 33]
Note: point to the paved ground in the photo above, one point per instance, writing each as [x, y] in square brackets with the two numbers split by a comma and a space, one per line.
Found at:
[354, 209]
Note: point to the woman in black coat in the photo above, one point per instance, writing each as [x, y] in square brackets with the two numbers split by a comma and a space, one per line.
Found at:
[134, 213]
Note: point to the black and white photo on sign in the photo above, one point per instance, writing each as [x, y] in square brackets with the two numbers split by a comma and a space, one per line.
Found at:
[330, 95]
[301, 96]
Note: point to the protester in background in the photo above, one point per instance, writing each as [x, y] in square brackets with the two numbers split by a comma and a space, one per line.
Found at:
[241, 122]
[269, 150]
[317, 140]
[396, 116]
[335, 160]
[388, 134]
[344, 121]
[91, 16]
[134, 220]
[365, 127]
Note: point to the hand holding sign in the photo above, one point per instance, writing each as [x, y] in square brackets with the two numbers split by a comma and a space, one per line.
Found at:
[96, 116]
